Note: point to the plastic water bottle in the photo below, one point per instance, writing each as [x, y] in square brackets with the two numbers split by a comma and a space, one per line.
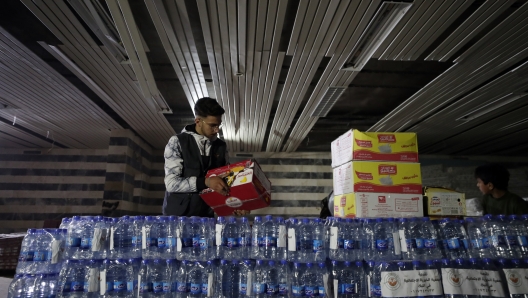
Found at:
[71, 279]
[319, 244]
[293, 235]
[219, 227]
[230, 239]
[205, 251]
[499, 232]
[100, 238]
[145, 286]
[306, 237]
[42, 252]
[271, 279]
[180, 285]
[137, 236]
[245, 282]
[283, 279]
[115, 274]
[479, 237]
[368, 240]
[297, 280]
[195, 231]
[384, 241]
[455, 237]
[86, 235]
[256, 237]
[73, 241]
[150, 247]
[348, 284]
[165, 244]
[309, 281]
[132, 272]
[30, 285]
[94, 269]
[244, 241]
[230, 275]
[196, 277]
[121, 238]
[27, 251]
[348, 252]
[269, 248]
[336, 243]
[46, 285]
[429, 237]
[158, 276]
[321, 272]
[259, 282]
[16, 287]
[374, 274]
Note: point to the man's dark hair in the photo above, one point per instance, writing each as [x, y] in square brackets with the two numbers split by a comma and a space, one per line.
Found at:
[497, 174]
[207, 106]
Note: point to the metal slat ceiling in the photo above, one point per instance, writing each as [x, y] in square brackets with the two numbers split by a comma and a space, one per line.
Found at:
[269, 64]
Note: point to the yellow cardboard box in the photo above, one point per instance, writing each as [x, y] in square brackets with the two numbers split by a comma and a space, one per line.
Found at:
[368, 204]
[378, 146]
[442, 201]
[381, 177]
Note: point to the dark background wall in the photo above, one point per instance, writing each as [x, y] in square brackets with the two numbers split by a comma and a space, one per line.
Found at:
[39, 185]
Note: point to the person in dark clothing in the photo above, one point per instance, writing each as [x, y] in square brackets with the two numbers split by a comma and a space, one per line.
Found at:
[492, 181]
[188, 157]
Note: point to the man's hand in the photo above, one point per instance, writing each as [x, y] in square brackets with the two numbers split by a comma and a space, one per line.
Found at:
[217, 184]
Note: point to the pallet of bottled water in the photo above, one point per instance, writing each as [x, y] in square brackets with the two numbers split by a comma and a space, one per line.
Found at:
[168, 256]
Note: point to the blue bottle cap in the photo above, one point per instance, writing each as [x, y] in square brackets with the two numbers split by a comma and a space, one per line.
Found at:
[271, 263]
[425, 218]
[402, 219]
[76, 218]
[260, 262]
[257, 219]
[244, 219]
[317, 220]
[247, 262]
[279, 219]
[486, 260]
[268, 217]
[390, 219]
[430, 262]
[470, 220]
[516, 261]
[295, 264]
[305, 220]
[371, 263]
[349, 220]
[416, 263]
[322, 265]
[145, 262]
[294, 221]
[347, 264]
[379, 219]
[445, 261]
[513, 217]
[232, 220]
[309, 265]
[234, 262]
[284, 262]
[359, 263]
[334, 262]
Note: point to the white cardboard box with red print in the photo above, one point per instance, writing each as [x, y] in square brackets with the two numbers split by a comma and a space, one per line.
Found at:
[378, 176]
[249, 189]
[364, 204]
[374, 146]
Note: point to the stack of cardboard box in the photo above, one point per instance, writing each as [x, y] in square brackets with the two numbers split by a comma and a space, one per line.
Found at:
[376, 175]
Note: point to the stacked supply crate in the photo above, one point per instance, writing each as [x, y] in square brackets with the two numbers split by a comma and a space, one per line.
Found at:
[376, 174]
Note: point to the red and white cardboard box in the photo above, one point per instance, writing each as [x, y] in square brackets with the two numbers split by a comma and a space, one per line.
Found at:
[249, 188]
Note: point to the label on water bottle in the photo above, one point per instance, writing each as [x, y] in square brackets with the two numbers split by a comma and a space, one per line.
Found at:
[132, 286]
[419, 243]
[232, 242]
[498, 240]
[317, 246]
[523, 240]
[375, 290]
[151, 242]
[67, 287]
[86, 243]
[465, 244]
[410, 244]
[283, 289]
[349, 244]
[382, 244]
[42, 256]
[96, 240]
[120, 286]
[291, 240]
[145, 287]
[311, 291]
[244, 241]
[259, 288]
[429, 243]
[272, 289]
[157, 287]
[171, 242]
[282, 238]
[511, 240]
[517, 281]
[340, 243]
[166, 287]
[136, 241]
[202, 243]
[181, 287]
[242, 289]
[205, 289]
[298, 291]
[333, 237]
[73, 242]
[187, 242]
[270, 242]
[348, 289]
[161, 242]
[77, 286]
[195, 288]
[453, 243]
[26, 256]
[321, 291]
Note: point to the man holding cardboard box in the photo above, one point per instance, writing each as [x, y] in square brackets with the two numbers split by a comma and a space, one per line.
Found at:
[188, 157]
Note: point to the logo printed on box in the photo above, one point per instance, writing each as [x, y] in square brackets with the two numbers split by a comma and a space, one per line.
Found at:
[387, 170]
[382, 199]
[364, 176]
[386, 138]
[364, 144]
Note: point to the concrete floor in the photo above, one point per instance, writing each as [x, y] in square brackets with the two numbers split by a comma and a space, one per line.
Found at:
[4, 284]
